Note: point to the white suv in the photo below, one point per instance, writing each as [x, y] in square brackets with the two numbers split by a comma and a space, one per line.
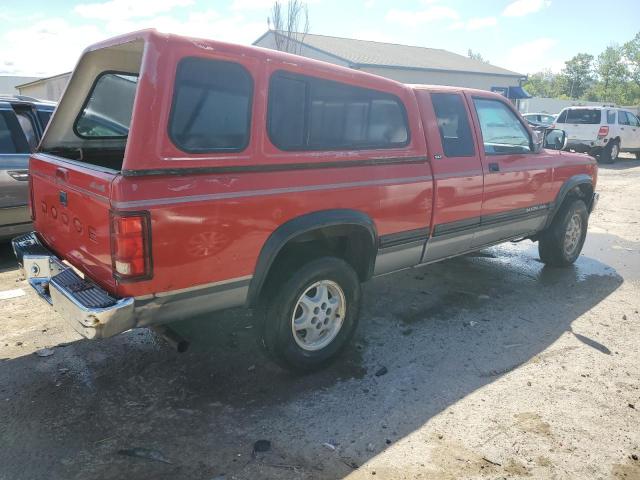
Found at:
[602, 132]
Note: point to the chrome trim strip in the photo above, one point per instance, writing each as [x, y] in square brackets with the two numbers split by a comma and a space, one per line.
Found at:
[169, 293]
[269, 191]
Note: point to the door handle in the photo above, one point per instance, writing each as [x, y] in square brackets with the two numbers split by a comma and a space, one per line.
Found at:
[494, 167]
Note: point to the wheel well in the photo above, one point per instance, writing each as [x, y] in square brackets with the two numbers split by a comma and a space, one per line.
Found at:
[352, 243]
[583, 191]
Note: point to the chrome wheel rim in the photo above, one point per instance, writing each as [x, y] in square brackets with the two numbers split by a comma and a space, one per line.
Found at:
[614, 151]
[573, 234]
[318, 315]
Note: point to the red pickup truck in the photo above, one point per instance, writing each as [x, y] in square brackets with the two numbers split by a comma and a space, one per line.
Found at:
[182, 176]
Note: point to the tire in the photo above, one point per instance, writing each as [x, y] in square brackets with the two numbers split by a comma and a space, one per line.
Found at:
[331, 319]
[610, 152]
[560, 245]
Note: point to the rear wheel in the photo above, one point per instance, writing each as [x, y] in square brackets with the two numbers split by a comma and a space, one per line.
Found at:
[310, 317]
[610, 152]
[560, 245]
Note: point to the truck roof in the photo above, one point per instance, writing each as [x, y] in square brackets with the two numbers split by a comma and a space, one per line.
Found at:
[168, 40]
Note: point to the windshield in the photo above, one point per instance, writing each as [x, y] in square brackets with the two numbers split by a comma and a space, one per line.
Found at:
[107, 110]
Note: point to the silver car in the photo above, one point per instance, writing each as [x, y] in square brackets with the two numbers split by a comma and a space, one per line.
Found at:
[22, 123]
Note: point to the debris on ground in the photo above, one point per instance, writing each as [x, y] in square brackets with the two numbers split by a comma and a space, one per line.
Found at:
[45, 352]
[329, 446]
[381, 371]
[146, 453]
[371, 447]
[251, 368]
[261, 446]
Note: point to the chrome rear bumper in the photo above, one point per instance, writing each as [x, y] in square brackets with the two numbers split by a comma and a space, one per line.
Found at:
[91, 311]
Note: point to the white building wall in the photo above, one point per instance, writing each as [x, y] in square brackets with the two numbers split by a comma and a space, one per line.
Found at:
[47, 88]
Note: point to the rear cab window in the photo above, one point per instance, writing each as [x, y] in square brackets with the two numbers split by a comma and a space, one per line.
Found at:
[107, 110]
[453, 124]
[311, 113]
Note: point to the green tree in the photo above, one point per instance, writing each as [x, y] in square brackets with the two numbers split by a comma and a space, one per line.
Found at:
[543, 84]
[577, 75]
[631, 52]
[612, 72]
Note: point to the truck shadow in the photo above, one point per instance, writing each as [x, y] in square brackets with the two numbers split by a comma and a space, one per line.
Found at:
[440, 333]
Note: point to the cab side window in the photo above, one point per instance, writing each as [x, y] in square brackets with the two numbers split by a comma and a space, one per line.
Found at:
[453, 123]
[502, 131]
[309, 113]
[633, 120]
[211, 109]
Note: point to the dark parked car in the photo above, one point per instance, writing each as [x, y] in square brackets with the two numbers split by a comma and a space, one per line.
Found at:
[22, 123]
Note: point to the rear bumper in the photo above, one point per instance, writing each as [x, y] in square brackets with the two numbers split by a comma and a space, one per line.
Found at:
[94, 313]
[586, 146]
[90, 310]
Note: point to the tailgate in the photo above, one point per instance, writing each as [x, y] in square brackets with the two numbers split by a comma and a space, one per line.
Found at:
[580, 132]
[71, 208]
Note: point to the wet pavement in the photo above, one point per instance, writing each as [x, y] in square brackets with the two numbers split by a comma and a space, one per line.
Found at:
[496, 366]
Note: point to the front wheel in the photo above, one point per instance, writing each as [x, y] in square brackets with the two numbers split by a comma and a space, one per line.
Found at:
[309, 318]
[561, 244]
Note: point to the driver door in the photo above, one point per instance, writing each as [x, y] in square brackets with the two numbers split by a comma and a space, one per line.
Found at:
[517, 181]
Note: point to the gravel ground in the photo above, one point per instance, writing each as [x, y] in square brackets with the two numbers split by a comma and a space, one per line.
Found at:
[496, 367]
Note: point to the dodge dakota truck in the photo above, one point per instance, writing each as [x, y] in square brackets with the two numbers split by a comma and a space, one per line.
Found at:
[182, 176]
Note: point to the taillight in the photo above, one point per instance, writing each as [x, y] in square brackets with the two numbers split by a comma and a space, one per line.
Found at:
[604, 131]
[131, 245]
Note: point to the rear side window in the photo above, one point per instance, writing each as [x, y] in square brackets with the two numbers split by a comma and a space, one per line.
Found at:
[307, 113]
[453, 123]
[623, 119]
[562, 118]
[12, 138]
[44, 116]
[584, 116]
[211, 109]
[107, 109]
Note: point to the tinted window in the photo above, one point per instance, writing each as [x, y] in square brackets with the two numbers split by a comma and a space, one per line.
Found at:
[502, 131]
[107, 109]
[12, 139]
[611, 117]
[453, 123]
[44, 116]
[211, 106]
[562, 117]
[25, 120]
[307, 113]
[583, 116]
[622, 118]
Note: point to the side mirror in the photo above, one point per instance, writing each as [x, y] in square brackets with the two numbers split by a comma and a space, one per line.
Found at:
[555, 139]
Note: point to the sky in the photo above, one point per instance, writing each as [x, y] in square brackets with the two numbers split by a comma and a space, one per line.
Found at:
[46, 37]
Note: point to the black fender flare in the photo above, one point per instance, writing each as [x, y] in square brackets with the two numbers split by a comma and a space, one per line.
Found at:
[299, 226]
[567, 186]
